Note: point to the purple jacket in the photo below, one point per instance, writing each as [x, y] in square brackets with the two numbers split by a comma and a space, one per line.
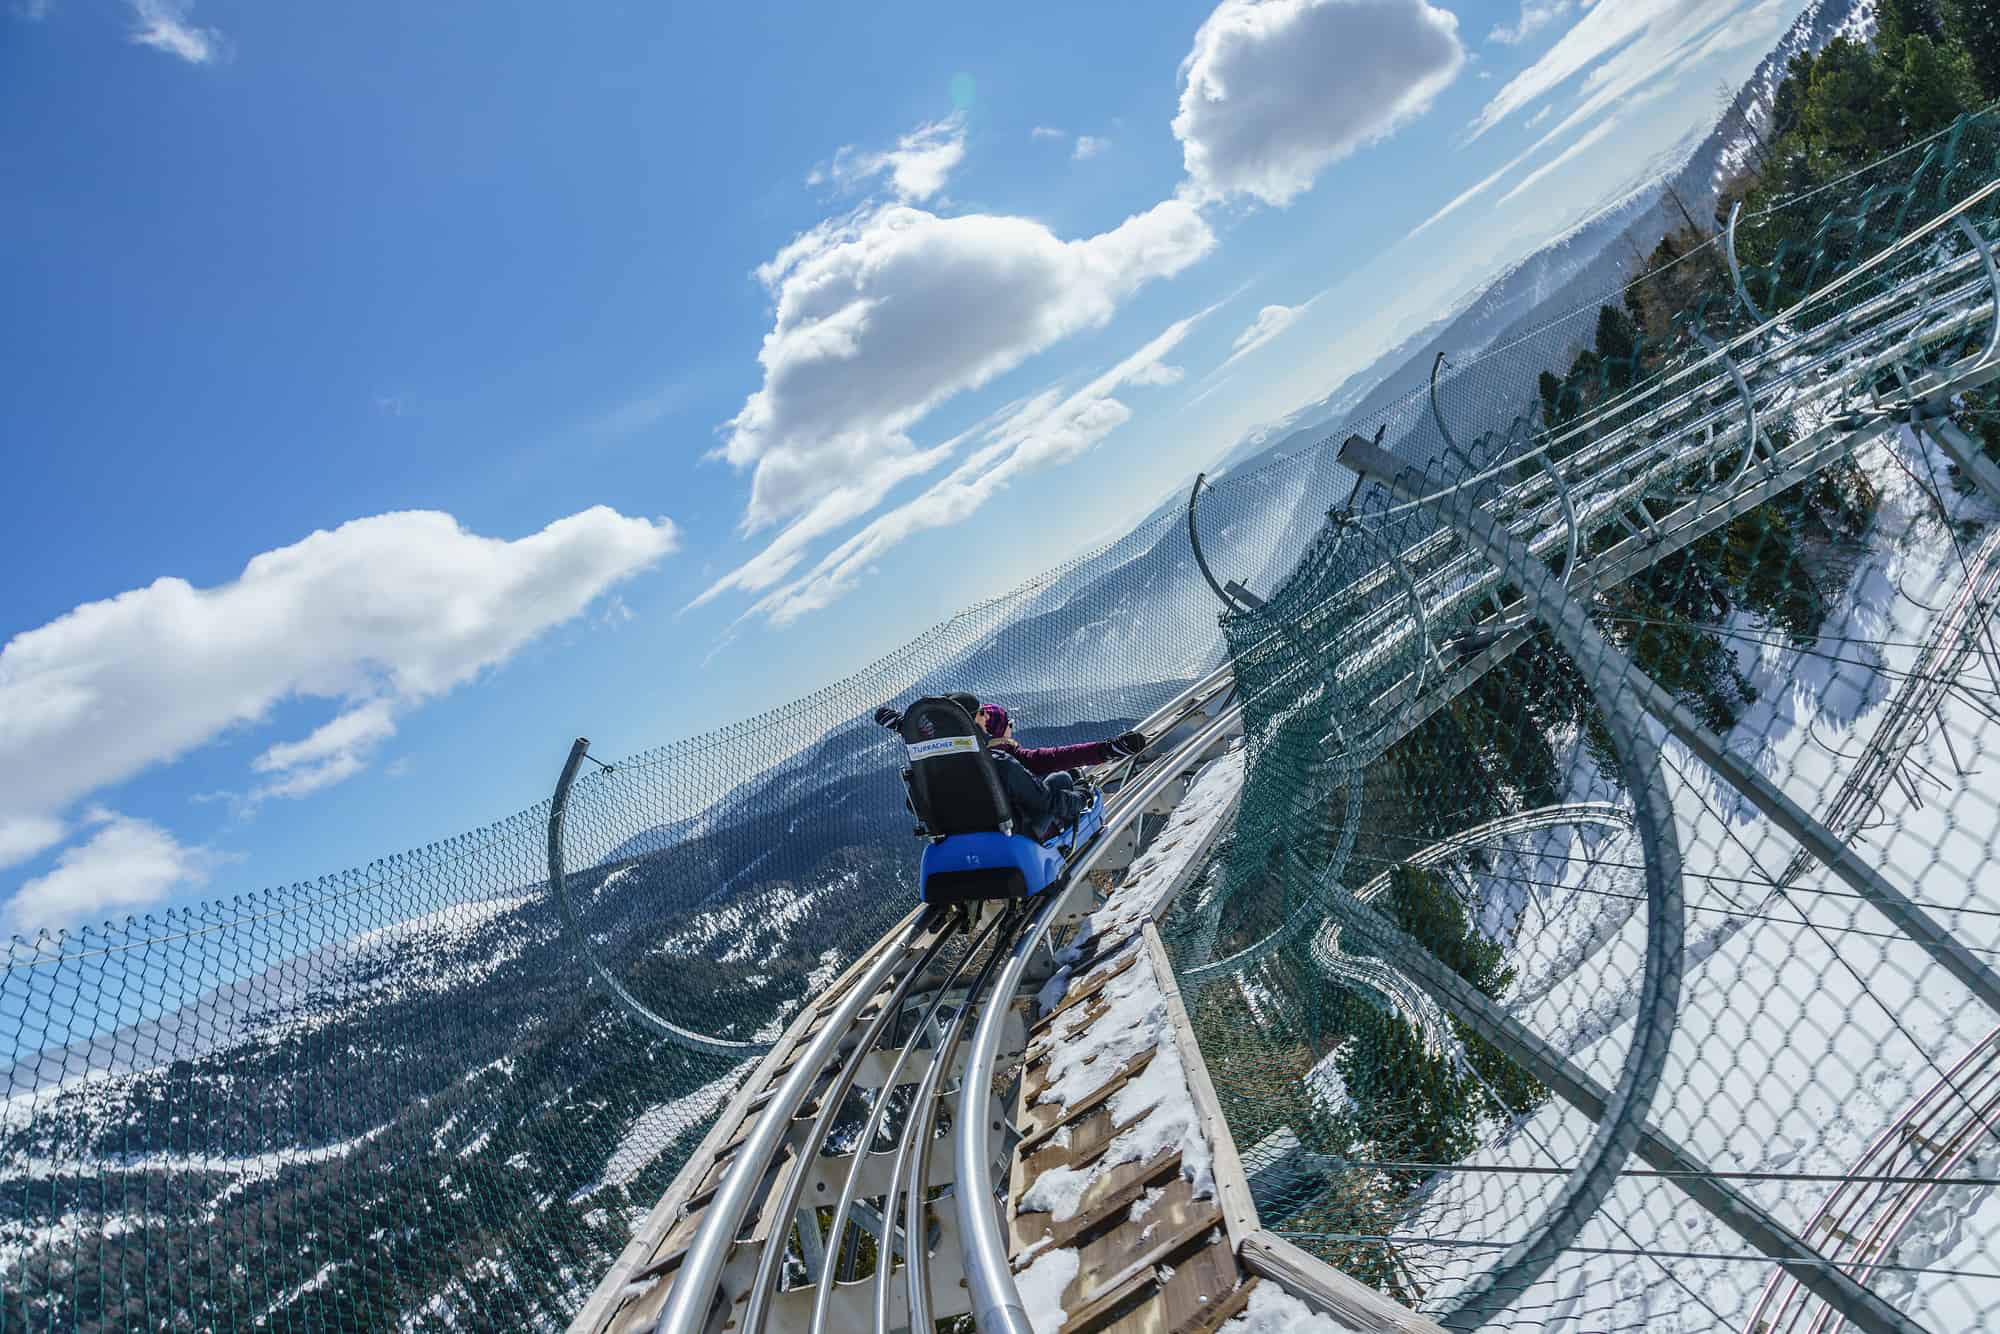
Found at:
[1043, 760]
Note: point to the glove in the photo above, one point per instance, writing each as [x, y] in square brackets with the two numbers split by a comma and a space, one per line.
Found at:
[888, 717]
[1129, 743]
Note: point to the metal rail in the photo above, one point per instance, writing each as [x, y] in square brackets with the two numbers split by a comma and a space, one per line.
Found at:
[1416, 1005]
[1929, 1140]
[996, 1302]
[744, 1203]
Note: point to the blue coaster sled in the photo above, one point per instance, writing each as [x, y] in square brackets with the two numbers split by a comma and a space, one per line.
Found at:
[993, 865]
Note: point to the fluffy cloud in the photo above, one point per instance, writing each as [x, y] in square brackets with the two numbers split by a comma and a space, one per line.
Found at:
[24, 835]
[1088, 146]
[916, 168]
[379, 615]
[1276, 90]
[885, 314]
[336, 750]
[1050, 429]
[163, 25]
[125, 864]
[1535, 16]
[1270, 322]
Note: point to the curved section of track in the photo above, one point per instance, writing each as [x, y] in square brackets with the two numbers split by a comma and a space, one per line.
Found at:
[1908, 1164]
[1412, 1002]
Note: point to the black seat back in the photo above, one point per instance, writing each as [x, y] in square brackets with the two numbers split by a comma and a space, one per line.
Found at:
[954, 787]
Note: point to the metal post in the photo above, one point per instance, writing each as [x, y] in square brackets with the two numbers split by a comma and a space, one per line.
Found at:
[1721, 354]
[1224, 595]
[1963, 450]
[1978, 239]
[672, 1032]
[1735, 270]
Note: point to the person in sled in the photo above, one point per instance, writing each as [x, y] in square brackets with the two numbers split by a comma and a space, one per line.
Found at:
[1042, 761]
[1047, 761]
[1043, 790]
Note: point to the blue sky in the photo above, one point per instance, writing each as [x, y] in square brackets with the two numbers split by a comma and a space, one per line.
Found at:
[397, 391]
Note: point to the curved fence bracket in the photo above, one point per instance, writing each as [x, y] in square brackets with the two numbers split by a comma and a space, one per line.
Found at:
[1233, 595]
[558, 882]
[1623, 1115]
[1736, 269]
[1623, 695]
[1721, 354]
[1980, 243]
[1620, 1117]
[1437, 415]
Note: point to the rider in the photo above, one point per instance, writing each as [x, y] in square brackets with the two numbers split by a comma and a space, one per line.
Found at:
[994, 720]
[1042, 790]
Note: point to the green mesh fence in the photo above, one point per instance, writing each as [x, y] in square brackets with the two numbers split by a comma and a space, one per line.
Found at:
[1715, 469]
[393, 1098]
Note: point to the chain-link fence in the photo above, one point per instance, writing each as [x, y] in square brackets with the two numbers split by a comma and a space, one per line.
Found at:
[1606, 939]
[396, 1098]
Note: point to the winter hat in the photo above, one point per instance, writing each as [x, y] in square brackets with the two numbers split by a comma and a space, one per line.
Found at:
[998, 721]
[966, 700]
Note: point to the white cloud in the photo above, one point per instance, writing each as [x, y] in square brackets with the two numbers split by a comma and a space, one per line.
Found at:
[833, 509]
[163, 25]
[1534, 177]
[126, 864]
[1047, 132]
[1471, 192]
[1535, 16]
[1050, 429]
[336, 750]
[22, 836]
[1624, 46]
[1088, 146]
[1541, 115]
[1276, 90]
[1270, 322]
[377, 615]
[917, 167]
[884, 315]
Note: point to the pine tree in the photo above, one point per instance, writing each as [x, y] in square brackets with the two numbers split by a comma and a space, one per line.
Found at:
[1849, 118]
[1788, 104]
[1931, 83]
[1896, 21]
[1974, 25]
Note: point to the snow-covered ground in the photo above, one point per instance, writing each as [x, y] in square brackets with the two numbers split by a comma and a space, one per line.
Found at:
[1155, 1106]
[654, 1130]
[1796, 1044]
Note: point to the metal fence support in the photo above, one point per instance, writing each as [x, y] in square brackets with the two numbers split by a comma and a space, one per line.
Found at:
[1562, 611]
[1750, 434]
[1621, 1115]
[558, 882]
[1603, 666]
[1736, 269]
[1964, 451]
